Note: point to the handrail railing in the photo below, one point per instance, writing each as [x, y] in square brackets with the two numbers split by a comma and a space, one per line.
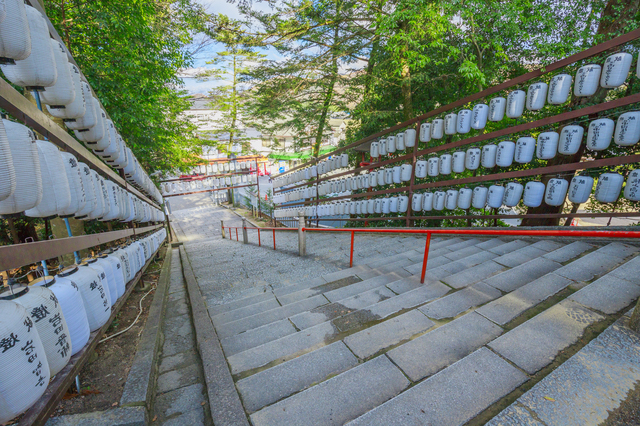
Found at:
[448, 231]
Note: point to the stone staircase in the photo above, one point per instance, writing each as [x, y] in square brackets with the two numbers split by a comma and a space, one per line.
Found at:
[370, 345]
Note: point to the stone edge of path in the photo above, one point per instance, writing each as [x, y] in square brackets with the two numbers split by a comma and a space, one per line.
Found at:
[224, 401]
[138, 389]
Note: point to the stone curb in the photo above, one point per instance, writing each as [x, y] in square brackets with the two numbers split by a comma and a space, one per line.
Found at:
[138, 389]
[121, 416]
[224, 401]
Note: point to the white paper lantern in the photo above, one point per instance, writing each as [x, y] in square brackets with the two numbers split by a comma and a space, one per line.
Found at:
[403, 203]
[425, 132]
[373, 181]
[94, 294]
[472, 158]
[388, 176]
[99, 207]
[609, 187]
[97, 132]
[113, 200]
[437, 128]
[616, 69]
[416, 202]
[536, 95]
[382, 147]
[397, 172]
[438, 200]
[88, 187]
[445, 164]
[76, 108]
[464, 198]
[512, 194]
[108, 138]
[570, 139]
[556, 192]
[89, 119]
[505, 153]
[391, 144]
[533, 194]
[410, 138]
[515, 103]
[495, 196]
[587, 80]
[547, 145]
[8, 174]
[457, 162]
[464, 121]
[47, 317]
[450, 124]
[525, 148]
[70, 300]
[400, 141]
[25, 373]
[38, 70]
[63, 91]
[433, 166]
[628, 129]
[381, 177]
[105, 272]
[421, 169]
[56, 194]
[370, 207]
[497, 108]
[15, 38]
[377, 205]
[427, 201]
[599, 134]
[632, 188]
[386, 205]
[479, 116]
[344, 161]
[559, 89]
[580, 189]
[489, 153]
[405, 172]
[451, 199]
[76, 189]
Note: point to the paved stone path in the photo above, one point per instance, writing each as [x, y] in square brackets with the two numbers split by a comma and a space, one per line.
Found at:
[312, 341]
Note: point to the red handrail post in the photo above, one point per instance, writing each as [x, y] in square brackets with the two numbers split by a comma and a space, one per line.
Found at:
[353, 233]
[274, 239]
[426, 257]
[237, 239]
[259, 245]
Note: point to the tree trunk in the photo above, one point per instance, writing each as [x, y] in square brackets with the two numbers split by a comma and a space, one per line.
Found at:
[405, 78]
[617, 14]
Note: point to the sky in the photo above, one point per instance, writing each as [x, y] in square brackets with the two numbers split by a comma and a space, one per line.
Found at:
[192, 85]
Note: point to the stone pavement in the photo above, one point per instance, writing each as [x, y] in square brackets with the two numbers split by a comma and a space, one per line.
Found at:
[312, 341]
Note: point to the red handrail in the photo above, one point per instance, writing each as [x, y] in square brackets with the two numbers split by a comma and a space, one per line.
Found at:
[451, 231]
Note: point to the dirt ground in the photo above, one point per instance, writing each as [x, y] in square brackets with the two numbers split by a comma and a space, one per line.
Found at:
[102, 379]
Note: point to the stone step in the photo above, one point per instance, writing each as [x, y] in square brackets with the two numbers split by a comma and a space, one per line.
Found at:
[514, 278]
[337, 400]
[597, 263]
[257, 336]
[454, 304]
[363, 286]
[453, 396]
[439, 348]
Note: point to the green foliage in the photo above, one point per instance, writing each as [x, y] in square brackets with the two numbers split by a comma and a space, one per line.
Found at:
[130, 52]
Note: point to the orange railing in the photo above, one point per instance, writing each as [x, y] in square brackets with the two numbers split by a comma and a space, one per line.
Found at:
[449, 231]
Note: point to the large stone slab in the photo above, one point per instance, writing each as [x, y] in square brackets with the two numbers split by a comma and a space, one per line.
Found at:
[247, 311]
[547, 245]
[535, 343]
[489, 244]
[180, 401]
[256, 337]
[283, 349]
[121, 416]
[178, 378]
[178, 335]
[460, 301]
[523, 274]
[618, 250]
[519, 256]
[241, 303]
[361, 287]
[268, 317]
[430, 353]
[511, 305]
[514, 415]
[453, 396]
[508, 247]
[629, 271]
[463, 244]
[389, 307]
[592, 383]
[472, 275]
[608, 294]
[338, 400]
[283, 380]
[405, 284]
[368, 342]
[465, 252]
[305, 293]
[593, 264]
[568, 252]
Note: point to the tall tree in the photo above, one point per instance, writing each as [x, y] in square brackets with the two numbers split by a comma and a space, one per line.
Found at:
[130, 52]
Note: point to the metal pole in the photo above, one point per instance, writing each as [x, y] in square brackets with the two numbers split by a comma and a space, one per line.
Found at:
[237, 239]
[274, 239]
[245, 236]
[222, 226]
[302, 237]
[258, 182]
[426, 258]
[353, 234]
[259, 243]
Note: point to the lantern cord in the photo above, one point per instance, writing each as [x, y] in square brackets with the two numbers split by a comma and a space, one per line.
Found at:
[134, 321]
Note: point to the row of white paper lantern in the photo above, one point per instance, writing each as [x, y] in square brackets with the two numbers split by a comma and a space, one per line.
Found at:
[334, 163]
[532, 194]
[600, 133]
[616, 66]
[41, 63]
[231, 166]
[178, 187]
[53, 317]
[42, 181]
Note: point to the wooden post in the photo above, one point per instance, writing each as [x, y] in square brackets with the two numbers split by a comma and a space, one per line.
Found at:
[410, 223]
